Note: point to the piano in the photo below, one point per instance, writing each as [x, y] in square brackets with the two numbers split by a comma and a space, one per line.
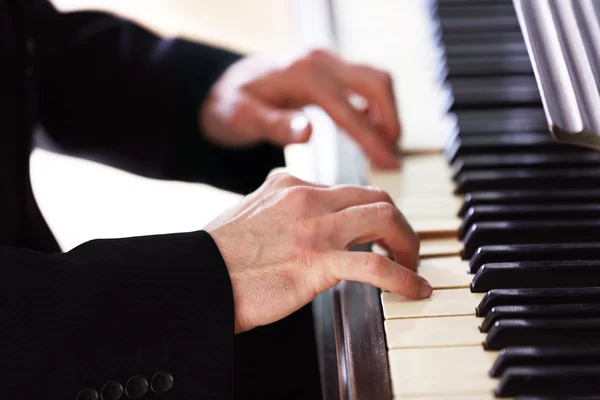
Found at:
[501, 180]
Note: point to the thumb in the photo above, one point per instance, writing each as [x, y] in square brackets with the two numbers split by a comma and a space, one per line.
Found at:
[286, 127]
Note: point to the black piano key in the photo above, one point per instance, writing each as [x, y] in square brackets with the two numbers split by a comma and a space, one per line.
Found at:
[496, 43]
[553, 381]
[554, 196]
[494, 91]
[507, 143]
[583, 159]
[487, 65]
[533, 179]
[527, 212]
[543, 332]
[538, 356]
[475, 18]
[524, 232]
[534, 252]
[501, 120]
[520, 297]
[544, 311]
[536, 274]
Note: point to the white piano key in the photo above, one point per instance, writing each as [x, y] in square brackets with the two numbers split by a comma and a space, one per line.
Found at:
[446, 272]
[438, 247]
[442, 371]
[433, 332]
[421, 176]
[445, 302]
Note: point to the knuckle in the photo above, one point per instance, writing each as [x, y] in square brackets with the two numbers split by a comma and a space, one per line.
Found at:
[301, 196]
[386, 211]
[304, 65]
[310, 61]
[317, 54]
[282, 179]
[385, 78]
[374, 264]
[404, 279]
[380, 194]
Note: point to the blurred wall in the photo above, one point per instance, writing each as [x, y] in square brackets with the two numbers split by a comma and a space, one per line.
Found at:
[244, 25]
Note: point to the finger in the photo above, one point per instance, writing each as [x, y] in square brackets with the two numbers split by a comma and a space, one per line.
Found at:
[377, 88]
[339, 197]
[377, 221]
[401, 258]
[279, 126]
[326, 90]
[378, 271]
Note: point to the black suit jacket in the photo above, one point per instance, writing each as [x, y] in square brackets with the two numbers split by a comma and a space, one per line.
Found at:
[132, 313]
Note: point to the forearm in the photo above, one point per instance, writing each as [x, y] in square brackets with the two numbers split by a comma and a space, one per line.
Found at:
[114, 92]
[111, 309]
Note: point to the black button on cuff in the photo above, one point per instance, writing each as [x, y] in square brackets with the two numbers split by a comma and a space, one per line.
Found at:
[162, 381]
[87, 393]
[136, 387]
[112, 390]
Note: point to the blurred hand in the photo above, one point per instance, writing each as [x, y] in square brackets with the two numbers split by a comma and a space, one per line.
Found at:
[261, 97]
[287, 242]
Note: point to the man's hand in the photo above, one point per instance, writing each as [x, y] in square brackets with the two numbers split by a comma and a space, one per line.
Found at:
[260, 98]
[287, 242]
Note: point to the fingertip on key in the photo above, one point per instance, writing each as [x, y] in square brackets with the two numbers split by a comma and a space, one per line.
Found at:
[426, 289]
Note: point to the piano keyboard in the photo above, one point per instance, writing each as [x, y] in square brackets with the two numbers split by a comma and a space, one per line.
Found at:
[510, 227]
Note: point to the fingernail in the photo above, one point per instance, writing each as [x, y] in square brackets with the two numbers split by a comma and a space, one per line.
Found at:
[299, 125]
[426, 289]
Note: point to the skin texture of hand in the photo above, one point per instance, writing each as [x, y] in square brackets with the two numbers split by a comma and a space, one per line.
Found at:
[260, 98]
[287, 242]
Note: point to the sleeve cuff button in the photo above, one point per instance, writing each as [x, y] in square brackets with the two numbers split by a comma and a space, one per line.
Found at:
[162, 381]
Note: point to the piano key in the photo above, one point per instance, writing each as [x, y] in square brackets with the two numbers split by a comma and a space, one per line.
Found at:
[528, 196]
[439, 247]
[523, 232]
[433, 332]
[445, 272]
[480, 122]
[426, 229]
[519, 297]
[535, 179]
[540, 311]
[493, 91]
[441, 303]
[479, 18]
[487, 65]
[507, 143]
[539, 212]
[555, 381]
[534, 252]
[503, 43]
[408, 182]
[537, 274]
[519, 161]
[543, 332]
[441, 371]
[419, 209]
[540, 356]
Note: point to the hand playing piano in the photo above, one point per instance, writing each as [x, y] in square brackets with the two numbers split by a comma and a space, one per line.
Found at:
[286, 242]
[261, 98]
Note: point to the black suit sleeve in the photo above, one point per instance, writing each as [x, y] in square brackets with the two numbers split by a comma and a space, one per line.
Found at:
[112, 91]
[114, 309]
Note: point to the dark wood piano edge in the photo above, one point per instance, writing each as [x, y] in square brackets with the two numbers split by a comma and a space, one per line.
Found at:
[351, 342]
